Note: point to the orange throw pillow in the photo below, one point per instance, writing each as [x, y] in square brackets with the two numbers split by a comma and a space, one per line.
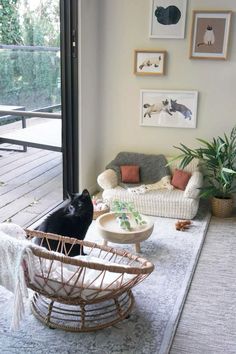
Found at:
[130, 173]
[180, 179]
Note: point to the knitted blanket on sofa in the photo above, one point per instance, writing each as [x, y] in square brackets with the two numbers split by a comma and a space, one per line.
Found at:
[152, 168]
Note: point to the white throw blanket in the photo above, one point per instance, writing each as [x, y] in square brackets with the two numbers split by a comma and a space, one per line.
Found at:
[164, 183]
[13, 230]
[13, 253]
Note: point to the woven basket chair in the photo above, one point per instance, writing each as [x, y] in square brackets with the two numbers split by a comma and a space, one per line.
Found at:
[83, 293]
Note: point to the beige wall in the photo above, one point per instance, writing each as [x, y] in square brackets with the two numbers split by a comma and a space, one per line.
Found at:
[110, 90]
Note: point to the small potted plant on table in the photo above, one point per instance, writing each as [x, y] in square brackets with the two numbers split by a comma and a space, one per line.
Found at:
[124, 225]
[122, 211]
[218, 160]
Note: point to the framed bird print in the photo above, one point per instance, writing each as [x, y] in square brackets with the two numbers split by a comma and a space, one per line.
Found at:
[210, 34]
[167, 18]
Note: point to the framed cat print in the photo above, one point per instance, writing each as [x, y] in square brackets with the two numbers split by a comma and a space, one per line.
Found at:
[167, 18]
[149, 62]
[210, 34]
[168, 108]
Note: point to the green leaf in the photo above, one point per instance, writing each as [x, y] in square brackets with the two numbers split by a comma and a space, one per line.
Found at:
[121, 208]
[228, 170]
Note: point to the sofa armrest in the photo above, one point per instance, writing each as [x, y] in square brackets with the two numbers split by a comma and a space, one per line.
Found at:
[195, 182]
[107, 179]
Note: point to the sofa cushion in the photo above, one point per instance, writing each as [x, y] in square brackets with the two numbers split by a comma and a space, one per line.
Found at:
[130, 173]
[152, 167]
[180, 179]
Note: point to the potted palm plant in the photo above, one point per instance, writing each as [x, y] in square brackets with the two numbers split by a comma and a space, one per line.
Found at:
[218, 161]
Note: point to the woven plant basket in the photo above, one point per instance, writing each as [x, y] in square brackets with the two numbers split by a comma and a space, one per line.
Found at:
[97, 213]
[222, 208]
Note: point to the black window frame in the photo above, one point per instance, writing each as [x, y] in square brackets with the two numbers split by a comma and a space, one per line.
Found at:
[70, 95]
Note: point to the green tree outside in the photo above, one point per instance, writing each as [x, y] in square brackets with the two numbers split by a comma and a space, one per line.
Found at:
[10, 31]
[30, 78]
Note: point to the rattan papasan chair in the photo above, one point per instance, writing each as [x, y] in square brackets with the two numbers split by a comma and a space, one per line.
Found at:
[83, 293]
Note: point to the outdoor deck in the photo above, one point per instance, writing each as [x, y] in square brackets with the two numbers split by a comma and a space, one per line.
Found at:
[30, 182]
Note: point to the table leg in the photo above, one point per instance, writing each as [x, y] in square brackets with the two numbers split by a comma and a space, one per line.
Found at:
[137, 247]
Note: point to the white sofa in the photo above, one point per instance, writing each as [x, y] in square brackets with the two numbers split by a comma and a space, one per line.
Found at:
[162, 202]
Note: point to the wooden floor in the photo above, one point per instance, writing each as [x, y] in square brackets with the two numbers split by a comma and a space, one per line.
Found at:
[208, 323]
[30, 184]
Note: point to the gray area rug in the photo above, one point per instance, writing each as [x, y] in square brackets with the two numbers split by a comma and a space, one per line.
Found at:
[158, 301]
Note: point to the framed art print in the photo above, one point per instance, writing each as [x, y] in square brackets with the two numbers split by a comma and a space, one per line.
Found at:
[149, 62]
[210, 34]
[176, 109]
[167, 18]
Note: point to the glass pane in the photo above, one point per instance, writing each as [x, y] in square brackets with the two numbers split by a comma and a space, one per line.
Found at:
[30, 66]
[30, 81]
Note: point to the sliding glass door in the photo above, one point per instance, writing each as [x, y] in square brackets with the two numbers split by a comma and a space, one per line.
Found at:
[38, 109]
[70, 96]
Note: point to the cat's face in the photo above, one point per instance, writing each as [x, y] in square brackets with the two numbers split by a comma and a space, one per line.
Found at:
[165, 103]
[80, 203]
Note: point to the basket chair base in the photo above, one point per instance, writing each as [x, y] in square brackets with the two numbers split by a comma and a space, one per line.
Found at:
[82, 318]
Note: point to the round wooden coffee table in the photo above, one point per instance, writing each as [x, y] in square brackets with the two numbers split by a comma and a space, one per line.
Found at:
[110, 230]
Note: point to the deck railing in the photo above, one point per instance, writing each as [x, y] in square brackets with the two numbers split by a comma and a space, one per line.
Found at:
[40, 112]
[23, 140]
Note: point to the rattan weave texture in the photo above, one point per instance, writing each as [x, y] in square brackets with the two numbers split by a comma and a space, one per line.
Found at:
[76, 294]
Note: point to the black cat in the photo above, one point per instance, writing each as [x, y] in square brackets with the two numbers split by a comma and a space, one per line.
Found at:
[72, 220]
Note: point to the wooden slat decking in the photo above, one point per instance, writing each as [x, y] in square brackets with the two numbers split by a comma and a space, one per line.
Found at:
[30, 183]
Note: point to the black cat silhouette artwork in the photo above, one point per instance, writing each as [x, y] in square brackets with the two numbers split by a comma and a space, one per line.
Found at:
[168, 16]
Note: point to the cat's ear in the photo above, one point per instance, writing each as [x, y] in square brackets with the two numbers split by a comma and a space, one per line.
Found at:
[70, 196]
[85, 193]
